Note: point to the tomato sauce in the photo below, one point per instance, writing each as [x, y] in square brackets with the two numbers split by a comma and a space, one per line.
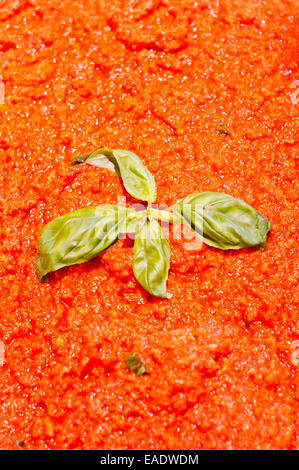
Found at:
[162, 79]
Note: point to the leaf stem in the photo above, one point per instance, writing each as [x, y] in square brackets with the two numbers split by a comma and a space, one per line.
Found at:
[164, 216]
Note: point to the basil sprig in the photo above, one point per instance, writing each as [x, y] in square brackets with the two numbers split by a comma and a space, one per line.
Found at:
[151, 259]
[223, 221]
[136, 178]
[220, 220]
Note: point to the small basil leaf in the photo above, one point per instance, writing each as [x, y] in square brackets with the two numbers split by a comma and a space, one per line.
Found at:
[151, 259]
[134, 364]
[78, 237]
[223, 221]
[136, 178]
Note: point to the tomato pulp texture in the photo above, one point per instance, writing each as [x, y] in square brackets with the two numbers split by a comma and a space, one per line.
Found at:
[162, 79]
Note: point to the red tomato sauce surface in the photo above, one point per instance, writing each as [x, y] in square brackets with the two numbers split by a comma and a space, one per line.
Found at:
[162, 79]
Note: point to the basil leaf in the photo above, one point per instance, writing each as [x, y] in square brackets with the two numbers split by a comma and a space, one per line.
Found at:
[79, 236]
[151, 259]
[134, 364]
[223, 221]
[136, 178]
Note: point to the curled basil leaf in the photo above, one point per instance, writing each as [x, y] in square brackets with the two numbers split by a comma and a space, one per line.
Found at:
[79, 236]
[223, 221]
[136, 178]
[151, 259]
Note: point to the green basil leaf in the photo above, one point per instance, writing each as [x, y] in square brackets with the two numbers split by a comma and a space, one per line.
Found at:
[151, 259]
[79, 236]
[136, 178]
[134, 364]
[223, 221]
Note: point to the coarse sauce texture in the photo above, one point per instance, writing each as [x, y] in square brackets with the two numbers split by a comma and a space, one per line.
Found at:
[162, 79]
